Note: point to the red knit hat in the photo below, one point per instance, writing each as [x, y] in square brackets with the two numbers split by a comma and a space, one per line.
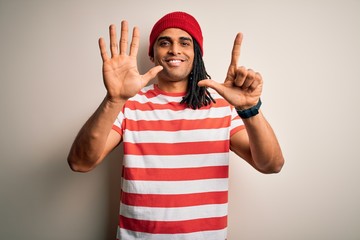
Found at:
[180, 20]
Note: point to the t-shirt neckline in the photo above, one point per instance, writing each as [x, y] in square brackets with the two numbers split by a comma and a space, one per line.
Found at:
[171, 94]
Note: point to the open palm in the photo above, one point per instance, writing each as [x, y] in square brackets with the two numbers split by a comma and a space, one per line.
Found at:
[120, 72]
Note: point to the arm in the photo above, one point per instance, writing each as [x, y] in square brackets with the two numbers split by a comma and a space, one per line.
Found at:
[95, 139]
[258, 145]
[122, 81]
[242, 88]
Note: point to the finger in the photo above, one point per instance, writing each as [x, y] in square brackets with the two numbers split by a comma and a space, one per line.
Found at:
[249, 80]
[240, 74]
[257, 81]
[134, 47]
[151, 74]
[258, 76]
[123, 37]
[102, 47]
[235, 54]
[212, 84]
[113, 42]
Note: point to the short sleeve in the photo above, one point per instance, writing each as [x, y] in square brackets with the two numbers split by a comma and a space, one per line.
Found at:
[118, 123]
[236, 122]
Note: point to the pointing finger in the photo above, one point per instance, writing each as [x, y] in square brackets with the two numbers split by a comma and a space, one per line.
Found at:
[235, 54]
[134, 47]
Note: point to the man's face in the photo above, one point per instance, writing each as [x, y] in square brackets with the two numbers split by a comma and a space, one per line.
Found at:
[174, 50]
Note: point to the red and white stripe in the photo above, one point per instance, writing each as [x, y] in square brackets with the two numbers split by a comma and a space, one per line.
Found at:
[175, 168]
[208, 235]
[173, 161]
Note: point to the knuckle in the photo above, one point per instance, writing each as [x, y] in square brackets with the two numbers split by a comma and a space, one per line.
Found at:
[258, 75]
[242, 71]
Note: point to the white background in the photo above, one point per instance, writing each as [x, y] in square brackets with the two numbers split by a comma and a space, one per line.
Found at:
[50, 70]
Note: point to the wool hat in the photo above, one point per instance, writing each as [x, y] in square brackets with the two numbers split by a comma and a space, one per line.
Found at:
[180, 20]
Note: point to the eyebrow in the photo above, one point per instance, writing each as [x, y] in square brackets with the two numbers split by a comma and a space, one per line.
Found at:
[169, 38]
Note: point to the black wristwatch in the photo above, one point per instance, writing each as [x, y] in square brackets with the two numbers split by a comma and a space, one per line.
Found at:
[250, 112]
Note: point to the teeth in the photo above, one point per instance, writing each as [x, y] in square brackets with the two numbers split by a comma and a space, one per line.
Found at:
[174, 61]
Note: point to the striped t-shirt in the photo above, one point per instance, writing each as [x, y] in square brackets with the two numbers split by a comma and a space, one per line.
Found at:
[175, 167]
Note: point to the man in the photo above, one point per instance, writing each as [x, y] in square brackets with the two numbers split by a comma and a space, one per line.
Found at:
[176, 134]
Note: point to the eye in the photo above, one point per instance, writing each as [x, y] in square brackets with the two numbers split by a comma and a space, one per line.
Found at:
[185, 44]
[164, 43]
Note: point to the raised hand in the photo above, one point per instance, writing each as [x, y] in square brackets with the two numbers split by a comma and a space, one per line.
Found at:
[120, 72]
[242, 87]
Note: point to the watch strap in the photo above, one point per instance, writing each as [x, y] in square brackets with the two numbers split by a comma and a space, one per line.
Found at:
[250, 112]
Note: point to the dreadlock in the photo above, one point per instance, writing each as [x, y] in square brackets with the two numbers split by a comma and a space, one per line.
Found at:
[197, 97]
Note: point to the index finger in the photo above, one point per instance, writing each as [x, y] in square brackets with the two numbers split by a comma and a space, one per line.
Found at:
[134, 46]
[235, 54]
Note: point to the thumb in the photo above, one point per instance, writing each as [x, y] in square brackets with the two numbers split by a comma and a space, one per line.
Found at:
[212, 84]
[151, 74]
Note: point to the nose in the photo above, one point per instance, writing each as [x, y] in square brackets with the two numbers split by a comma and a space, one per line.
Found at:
[174, 49]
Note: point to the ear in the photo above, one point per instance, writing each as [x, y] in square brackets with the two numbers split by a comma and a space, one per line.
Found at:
[152, 59]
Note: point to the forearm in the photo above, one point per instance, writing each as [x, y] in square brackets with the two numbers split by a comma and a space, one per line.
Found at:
[265, 150]
[90, 142]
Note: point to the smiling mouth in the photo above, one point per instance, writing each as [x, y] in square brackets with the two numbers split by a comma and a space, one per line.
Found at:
[174, 61]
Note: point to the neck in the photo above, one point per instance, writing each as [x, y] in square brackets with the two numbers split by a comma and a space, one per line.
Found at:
[173, 87]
